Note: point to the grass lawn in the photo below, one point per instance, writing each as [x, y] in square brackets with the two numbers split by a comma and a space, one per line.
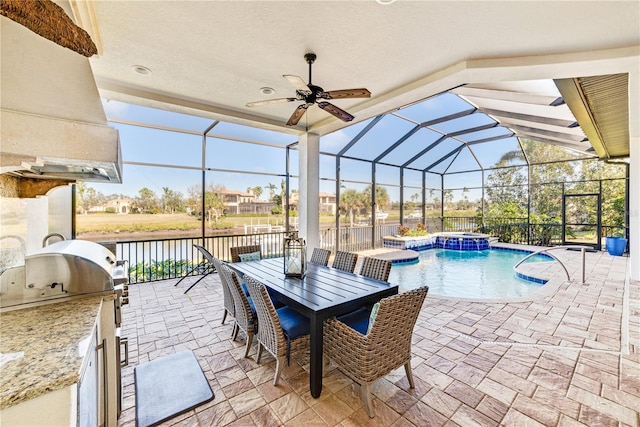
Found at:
[107, 223]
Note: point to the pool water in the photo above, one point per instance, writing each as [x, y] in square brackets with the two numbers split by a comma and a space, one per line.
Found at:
[485, 274]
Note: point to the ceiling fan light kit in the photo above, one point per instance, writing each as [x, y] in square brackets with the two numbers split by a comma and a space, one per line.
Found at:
[312, 94]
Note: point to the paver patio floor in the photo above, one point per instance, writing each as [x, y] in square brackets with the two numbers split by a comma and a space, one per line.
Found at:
[567, 356]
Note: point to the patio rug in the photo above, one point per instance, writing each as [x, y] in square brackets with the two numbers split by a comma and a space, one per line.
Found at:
[169, 386]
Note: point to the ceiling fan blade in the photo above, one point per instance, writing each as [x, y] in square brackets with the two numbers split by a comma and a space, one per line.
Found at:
[297, 114]
[298, 83]
[269, 101]
[345, 93]
[338, 112]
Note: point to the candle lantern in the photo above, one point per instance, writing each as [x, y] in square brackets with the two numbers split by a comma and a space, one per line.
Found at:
[295, 251]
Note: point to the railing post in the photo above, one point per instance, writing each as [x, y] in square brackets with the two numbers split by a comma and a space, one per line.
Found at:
[583, 250]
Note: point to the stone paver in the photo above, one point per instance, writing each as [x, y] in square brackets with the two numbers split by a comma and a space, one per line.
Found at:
[566, 356]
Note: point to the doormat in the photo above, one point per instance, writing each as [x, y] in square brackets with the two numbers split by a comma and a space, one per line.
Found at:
[169, 386]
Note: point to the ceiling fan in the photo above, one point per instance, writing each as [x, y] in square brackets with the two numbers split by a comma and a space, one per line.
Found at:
[312, 94]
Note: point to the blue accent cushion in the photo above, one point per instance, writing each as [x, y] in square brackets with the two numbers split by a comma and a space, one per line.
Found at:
[293, 323]
[253, 307]
[245, 289]
[254, 314]
[253, 256]
[358, 320]
[277, 304]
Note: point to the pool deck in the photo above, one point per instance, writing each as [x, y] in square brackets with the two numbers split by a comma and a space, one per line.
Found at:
[568, 355]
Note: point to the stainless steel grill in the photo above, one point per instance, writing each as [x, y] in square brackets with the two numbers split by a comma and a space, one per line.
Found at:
[65, 269]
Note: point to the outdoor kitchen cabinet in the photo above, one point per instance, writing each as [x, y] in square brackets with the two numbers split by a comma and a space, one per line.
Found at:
[53, 397]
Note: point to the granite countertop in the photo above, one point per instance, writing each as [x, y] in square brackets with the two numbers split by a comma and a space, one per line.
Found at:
[42, 348]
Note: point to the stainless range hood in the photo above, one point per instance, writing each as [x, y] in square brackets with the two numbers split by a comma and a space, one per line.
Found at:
[35, 146]
[53, 121]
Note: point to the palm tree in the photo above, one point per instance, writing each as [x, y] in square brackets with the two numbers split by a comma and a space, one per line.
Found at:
[257, 191]
[272, 189]
[351, 201]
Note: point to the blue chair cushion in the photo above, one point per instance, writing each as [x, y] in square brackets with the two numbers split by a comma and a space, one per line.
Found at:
[358, 320]
[254, 314]
[277, 304]
[245, 289]
[293, 323]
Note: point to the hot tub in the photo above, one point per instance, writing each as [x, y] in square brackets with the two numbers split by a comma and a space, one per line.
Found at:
[462, 241]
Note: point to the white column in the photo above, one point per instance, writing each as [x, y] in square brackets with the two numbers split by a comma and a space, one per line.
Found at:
[308, 192]
[634, 175]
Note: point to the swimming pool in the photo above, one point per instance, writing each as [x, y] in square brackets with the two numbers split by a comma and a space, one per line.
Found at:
[467, 274]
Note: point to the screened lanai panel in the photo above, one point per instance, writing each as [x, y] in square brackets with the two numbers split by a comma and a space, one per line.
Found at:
[505, 152]
[355, 170]
[464, 124]
[327, 167]
[464, 161]
[233, 130]
[334, 142]
[505, 176]
[243, 156]
[460, 203]
[135, 113]
[412, 178]
[431, 158]
[156, 183]
[433, 181]
[582, 187]
[384, 134]
[148, 145]
[387, 175]
[412, 202]
[438, 106]
[539, 152]
[546, 201]
[494, 133]
[594, 168]
[463, 180]
[411, 147]
[294, 162]
[327, 186]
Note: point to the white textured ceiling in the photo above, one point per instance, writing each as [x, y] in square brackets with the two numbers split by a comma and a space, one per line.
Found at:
[211, 57]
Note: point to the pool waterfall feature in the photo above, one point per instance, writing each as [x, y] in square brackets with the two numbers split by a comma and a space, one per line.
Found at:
[445, 240]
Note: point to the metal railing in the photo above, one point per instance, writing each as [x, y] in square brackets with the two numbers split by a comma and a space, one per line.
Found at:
[546, 251]
[161, 259]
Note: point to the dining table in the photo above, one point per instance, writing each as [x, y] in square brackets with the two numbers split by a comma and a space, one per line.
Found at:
[322, 293]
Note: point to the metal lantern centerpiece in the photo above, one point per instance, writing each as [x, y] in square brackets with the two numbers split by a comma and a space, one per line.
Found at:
[295, 252]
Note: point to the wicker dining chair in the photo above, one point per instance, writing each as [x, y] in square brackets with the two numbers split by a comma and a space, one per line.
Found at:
[242, 250]
[345, 261]
[245, 314]
[281, 331]
[376, 268]
[385, 347]
[225, 281]
[320, 256]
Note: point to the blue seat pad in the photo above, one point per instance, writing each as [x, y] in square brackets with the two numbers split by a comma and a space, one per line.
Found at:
[277, 304]
[293, 323]
[358, 320]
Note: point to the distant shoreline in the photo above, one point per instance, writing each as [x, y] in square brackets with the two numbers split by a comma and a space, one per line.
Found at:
[150, 235]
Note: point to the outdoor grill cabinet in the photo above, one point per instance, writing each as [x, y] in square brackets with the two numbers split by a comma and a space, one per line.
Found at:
[92, 400]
